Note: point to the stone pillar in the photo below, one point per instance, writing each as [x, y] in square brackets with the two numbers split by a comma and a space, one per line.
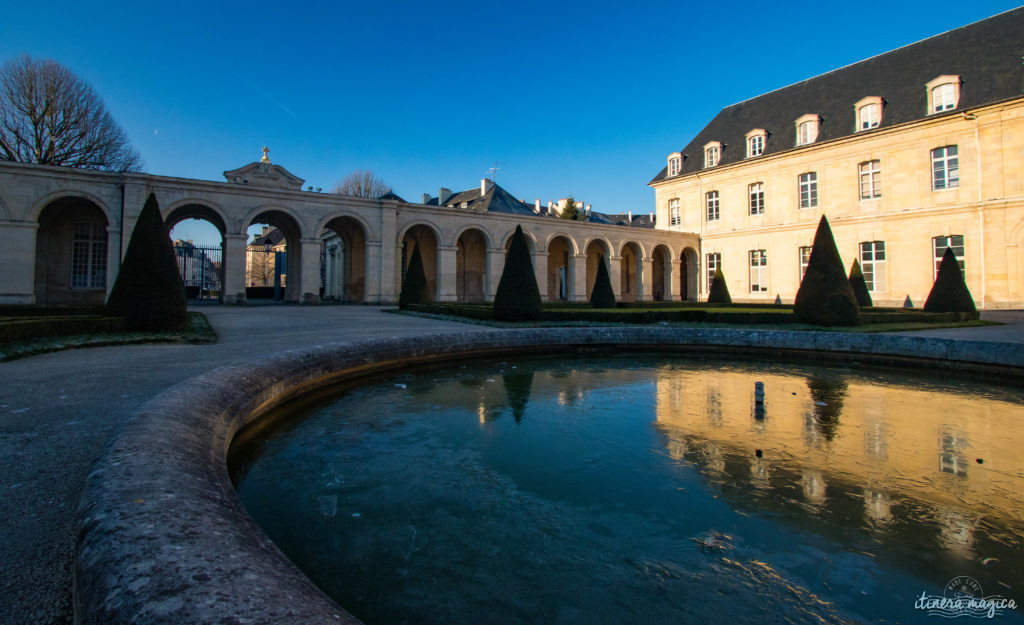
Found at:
[234, 257]
[615, 274]
[646, 280]
[113, 260]
[540, 273]
[375, 276]
[388, 274]
[309, 274]
[673, 281]
[579, 278]
[18, 279]
[495, 267]
[447, 266]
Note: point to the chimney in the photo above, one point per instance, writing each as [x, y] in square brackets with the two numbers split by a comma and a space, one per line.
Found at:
[629, 213]
[266, 229]
[426, 198]
[588, 210]
[485, 186]
[536, 206]
[652, 217]
[442, 195]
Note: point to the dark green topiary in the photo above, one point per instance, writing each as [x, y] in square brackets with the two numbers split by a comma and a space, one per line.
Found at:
[518, 298]
[825, 297]
[602, 295]
[149, 293]
[950, 292]
[859, 286]
[719, 289]
[414, 286]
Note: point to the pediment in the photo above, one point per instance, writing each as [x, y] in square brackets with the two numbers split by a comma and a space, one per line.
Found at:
[265, 174]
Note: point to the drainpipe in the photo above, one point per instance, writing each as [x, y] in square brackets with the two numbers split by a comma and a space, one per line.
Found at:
[701, 214]
[981, 197]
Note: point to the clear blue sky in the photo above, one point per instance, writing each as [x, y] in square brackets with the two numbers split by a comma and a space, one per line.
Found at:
[570, 98]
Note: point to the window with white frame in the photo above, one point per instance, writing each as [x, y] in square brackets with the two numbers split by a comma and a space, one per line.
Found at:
[808, 187]
[755, 142]
[870, 173]
[758, 271]
[872, 264]
[755, 195]
[714, 262]
[712, 153]
[674, 216]
[89, 256]
[711, 201]
[939, 245]
[943, 94]
[675, 164]
[805, 259]
[807, 129]
[945, 168]
[869, 113]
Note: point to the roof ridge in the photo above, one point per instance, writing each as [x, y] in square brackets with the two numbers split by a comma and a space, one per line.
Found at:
[874, 56]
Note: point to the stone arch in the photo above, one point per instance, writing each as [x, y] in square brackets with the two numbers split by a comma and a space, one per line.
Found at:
[277, 209]
[368, 231]
[426, 236]
[531, 239]
[689, 274]
[561, 257]
[661, 272]
[191, 208]
[113, 219]
[75, 256]
[597, 248]
[488, 237]
[574, 247]
[471, 276]
[344, 259]
[631, 258]
[285, 221]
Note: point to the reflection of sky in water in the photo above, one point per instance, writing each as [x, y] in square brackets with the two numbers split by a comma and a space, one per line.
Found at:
[643, 489]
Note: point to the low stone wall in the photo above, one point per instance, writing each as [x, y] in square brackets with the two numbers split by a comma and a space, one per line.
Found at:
[163, 537]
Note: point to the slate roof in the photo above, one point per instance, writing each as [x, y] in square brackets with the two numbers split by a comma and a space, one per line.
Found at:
[391, 195]
[271, 238]
[496, 200]
[986, 55]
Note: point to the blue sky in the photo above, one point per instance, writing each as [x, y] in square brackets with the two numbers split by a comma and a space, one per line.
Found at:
[569, 98]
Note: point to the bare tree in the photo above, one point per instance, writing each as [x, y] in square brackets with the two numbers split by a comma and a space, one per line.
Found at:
[51, 117]
[362, 183]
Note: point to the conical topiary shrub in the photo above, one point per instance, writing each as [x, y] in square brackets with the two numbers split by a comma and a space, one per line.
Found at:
[859, 286]
[602, 295]
[950, 292]
[719, 293]
[414, 287]
[148, 291]
[825, 297]
[518, 298]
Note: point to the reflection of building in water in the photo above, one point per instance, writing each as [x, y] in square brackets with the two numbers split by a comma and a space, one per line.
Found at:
[917, 442]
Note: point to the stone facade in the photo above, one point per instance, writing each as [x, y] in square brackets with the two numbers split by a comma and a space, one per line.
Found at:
[986, 209]
[464, 250]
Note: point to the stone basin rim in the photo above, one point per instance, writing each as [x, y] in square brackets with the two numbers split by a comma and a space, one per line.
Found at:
[161, 536]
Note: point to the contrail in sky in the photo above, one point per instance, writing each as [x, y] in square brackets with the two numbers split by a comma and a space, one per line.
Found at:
[268, 96]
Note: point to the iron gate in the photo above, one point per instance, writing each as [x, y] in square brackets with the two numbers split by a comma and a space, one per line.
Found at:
[201, 269]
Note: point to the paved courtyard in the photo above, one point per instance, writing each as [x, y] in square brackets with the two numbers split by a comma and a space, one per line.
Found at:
[57, 410]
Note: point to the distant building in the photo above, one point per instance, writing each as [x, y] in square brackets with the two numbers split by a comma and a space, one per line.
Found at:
[906, 153]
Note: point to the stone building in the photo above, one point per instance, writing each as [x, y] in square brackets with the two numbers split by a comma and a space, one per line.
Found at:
[907, 152]
[64, 230]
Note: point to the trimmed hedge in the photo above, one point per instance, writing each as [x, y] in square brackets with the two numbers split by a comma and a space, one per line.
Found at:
[719, 293]
[950, 292]
[825, 297]
[148, 291]
[29, 329]
[518, 296]
[602, 295]
[34, 310]
[859, 285]
[414, 288]
[656, 314]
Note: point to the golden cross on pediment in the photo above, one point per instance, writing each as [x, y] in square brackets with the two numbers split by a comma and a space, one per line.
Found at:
[266, 157]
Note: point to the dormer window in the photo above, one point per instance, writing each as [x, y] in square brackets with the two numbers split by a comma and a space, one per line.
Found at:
[807, 129]
[675, 164]
[943, 94]
[869, 113]
[712, 153]
[755, 142]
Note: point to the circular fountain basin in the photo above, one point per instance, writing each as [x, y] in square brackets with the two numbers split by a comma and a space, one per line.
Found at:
[163, 537]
